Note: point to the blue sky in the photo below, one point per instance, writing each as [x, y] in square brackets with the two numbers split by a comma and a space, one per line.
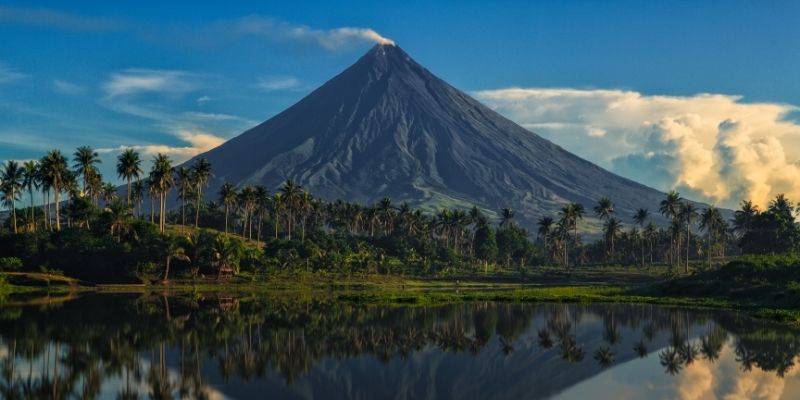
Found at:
[182, 76]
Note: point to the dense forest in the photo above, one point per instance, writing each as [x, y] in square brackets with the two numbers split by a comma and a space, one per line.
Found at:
[88, 228]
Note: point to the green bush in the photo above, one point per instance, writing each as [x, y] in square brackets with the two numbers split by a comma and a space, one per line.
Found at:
[10, 264]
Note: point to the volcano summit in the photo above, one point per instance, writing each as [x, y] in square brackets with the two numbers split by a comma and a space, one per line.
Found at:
[388, 127]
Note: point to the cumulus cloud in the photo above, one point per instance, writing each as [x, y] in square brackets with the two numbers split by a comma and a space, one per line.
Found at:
[276, 83]
[135, 80]
[715, 147]
[56, 19]
[194, 144]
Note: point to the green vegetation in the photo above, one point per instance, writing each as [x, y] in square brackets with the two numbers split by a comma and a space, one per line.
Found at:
[84, 230]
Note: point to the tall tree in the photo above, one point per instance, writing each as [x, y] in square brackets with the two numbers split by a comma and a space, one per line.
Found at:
[711, 221]
[185, 186]
[30, 181]
[201, 173]
[56, 174]
[86, 160]
[640, 218]
[669, 207]
[291, 198]
[604, 208]
[227, 196]
[688, 214]
[129, 167]
[162, 178]
[11, 181]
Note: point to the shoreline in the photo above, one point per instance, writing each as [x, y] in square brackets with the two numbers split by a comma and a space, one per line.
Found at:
[397, 291]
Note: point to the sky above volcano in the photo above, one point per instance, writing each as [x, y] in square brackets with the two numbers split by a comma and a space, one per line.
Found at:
[697, 96]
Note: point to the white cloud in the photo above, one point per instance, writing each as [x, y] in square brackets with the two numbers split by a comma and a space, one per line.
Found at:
[8, 75]
[66, 87]
[194, 144]
[203, 100]
[711, 146]
[276, 83]
[330, 39]
[132, 81]
[56, 19]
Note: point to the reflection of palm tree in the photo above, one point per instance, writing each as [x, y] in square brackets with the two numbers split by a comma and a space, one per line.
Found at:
[506, 346]
[545, 341]
[641, 349]
[671, 360]
[689, 352]
[604, 357]
[570, 350]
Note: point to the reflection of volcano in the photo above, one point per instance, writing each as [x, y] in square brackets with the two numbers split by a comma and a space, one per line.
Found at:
[284, 348]
[527, 371]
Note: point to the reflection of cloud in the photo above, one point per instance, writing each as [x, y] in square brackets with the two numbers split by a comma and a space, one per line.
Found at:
[55, 19]
[715, 146]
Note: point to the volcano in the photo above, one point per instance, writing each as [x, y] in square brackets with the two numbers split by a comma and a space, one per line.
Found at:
[388, 127]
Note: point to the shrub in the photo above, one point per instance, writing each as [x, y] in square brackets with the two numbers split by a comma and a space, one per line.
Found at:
[10, 264]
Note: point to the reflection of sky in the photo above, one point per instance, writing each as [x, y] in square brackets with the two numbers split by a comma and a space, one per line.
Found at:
[703, 380]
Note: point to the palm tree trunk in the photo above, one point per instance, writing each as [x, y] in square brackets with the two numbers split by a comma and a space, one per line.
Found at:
[166, 270]
[129, 191]
[183, 207]
[57, 191]
[688, 239]
[13, 212]
[226, 218]
[197, 206]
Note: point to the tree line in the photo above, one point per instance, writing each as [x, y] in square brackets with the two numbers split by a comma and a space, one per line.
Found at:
[294, 226]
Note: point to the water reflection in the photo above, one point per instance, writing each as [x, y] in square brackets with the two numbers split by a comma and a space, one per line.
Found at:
[129, 347]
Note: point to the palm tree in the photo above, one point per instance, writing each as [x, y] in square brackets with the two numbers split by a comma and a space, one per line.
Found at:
[604, 208]
[262, 203]
[162, 180]
[711, 221]
[11, 184]
[129, 167]
[640, 218]
[185, 184]
[669, 207]
[227, 196]
[85, 160]
[30, 181]
[743, 218]
[119, 216]
[201, 172]
[570, 214]
[506, 218]
[291, 197]
[545, 229]
[688, 213]
[55, 173]
[109, 193]
[649, 233]
[611, 229]
[137, 195]
[173, 250]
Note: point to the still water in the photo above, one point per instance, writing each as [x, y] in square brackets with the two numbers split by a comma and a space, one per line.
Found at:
[241, 347]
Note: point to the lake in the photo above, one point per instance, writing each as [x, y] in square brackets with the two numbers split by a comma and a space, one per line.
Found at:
[250, 346]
